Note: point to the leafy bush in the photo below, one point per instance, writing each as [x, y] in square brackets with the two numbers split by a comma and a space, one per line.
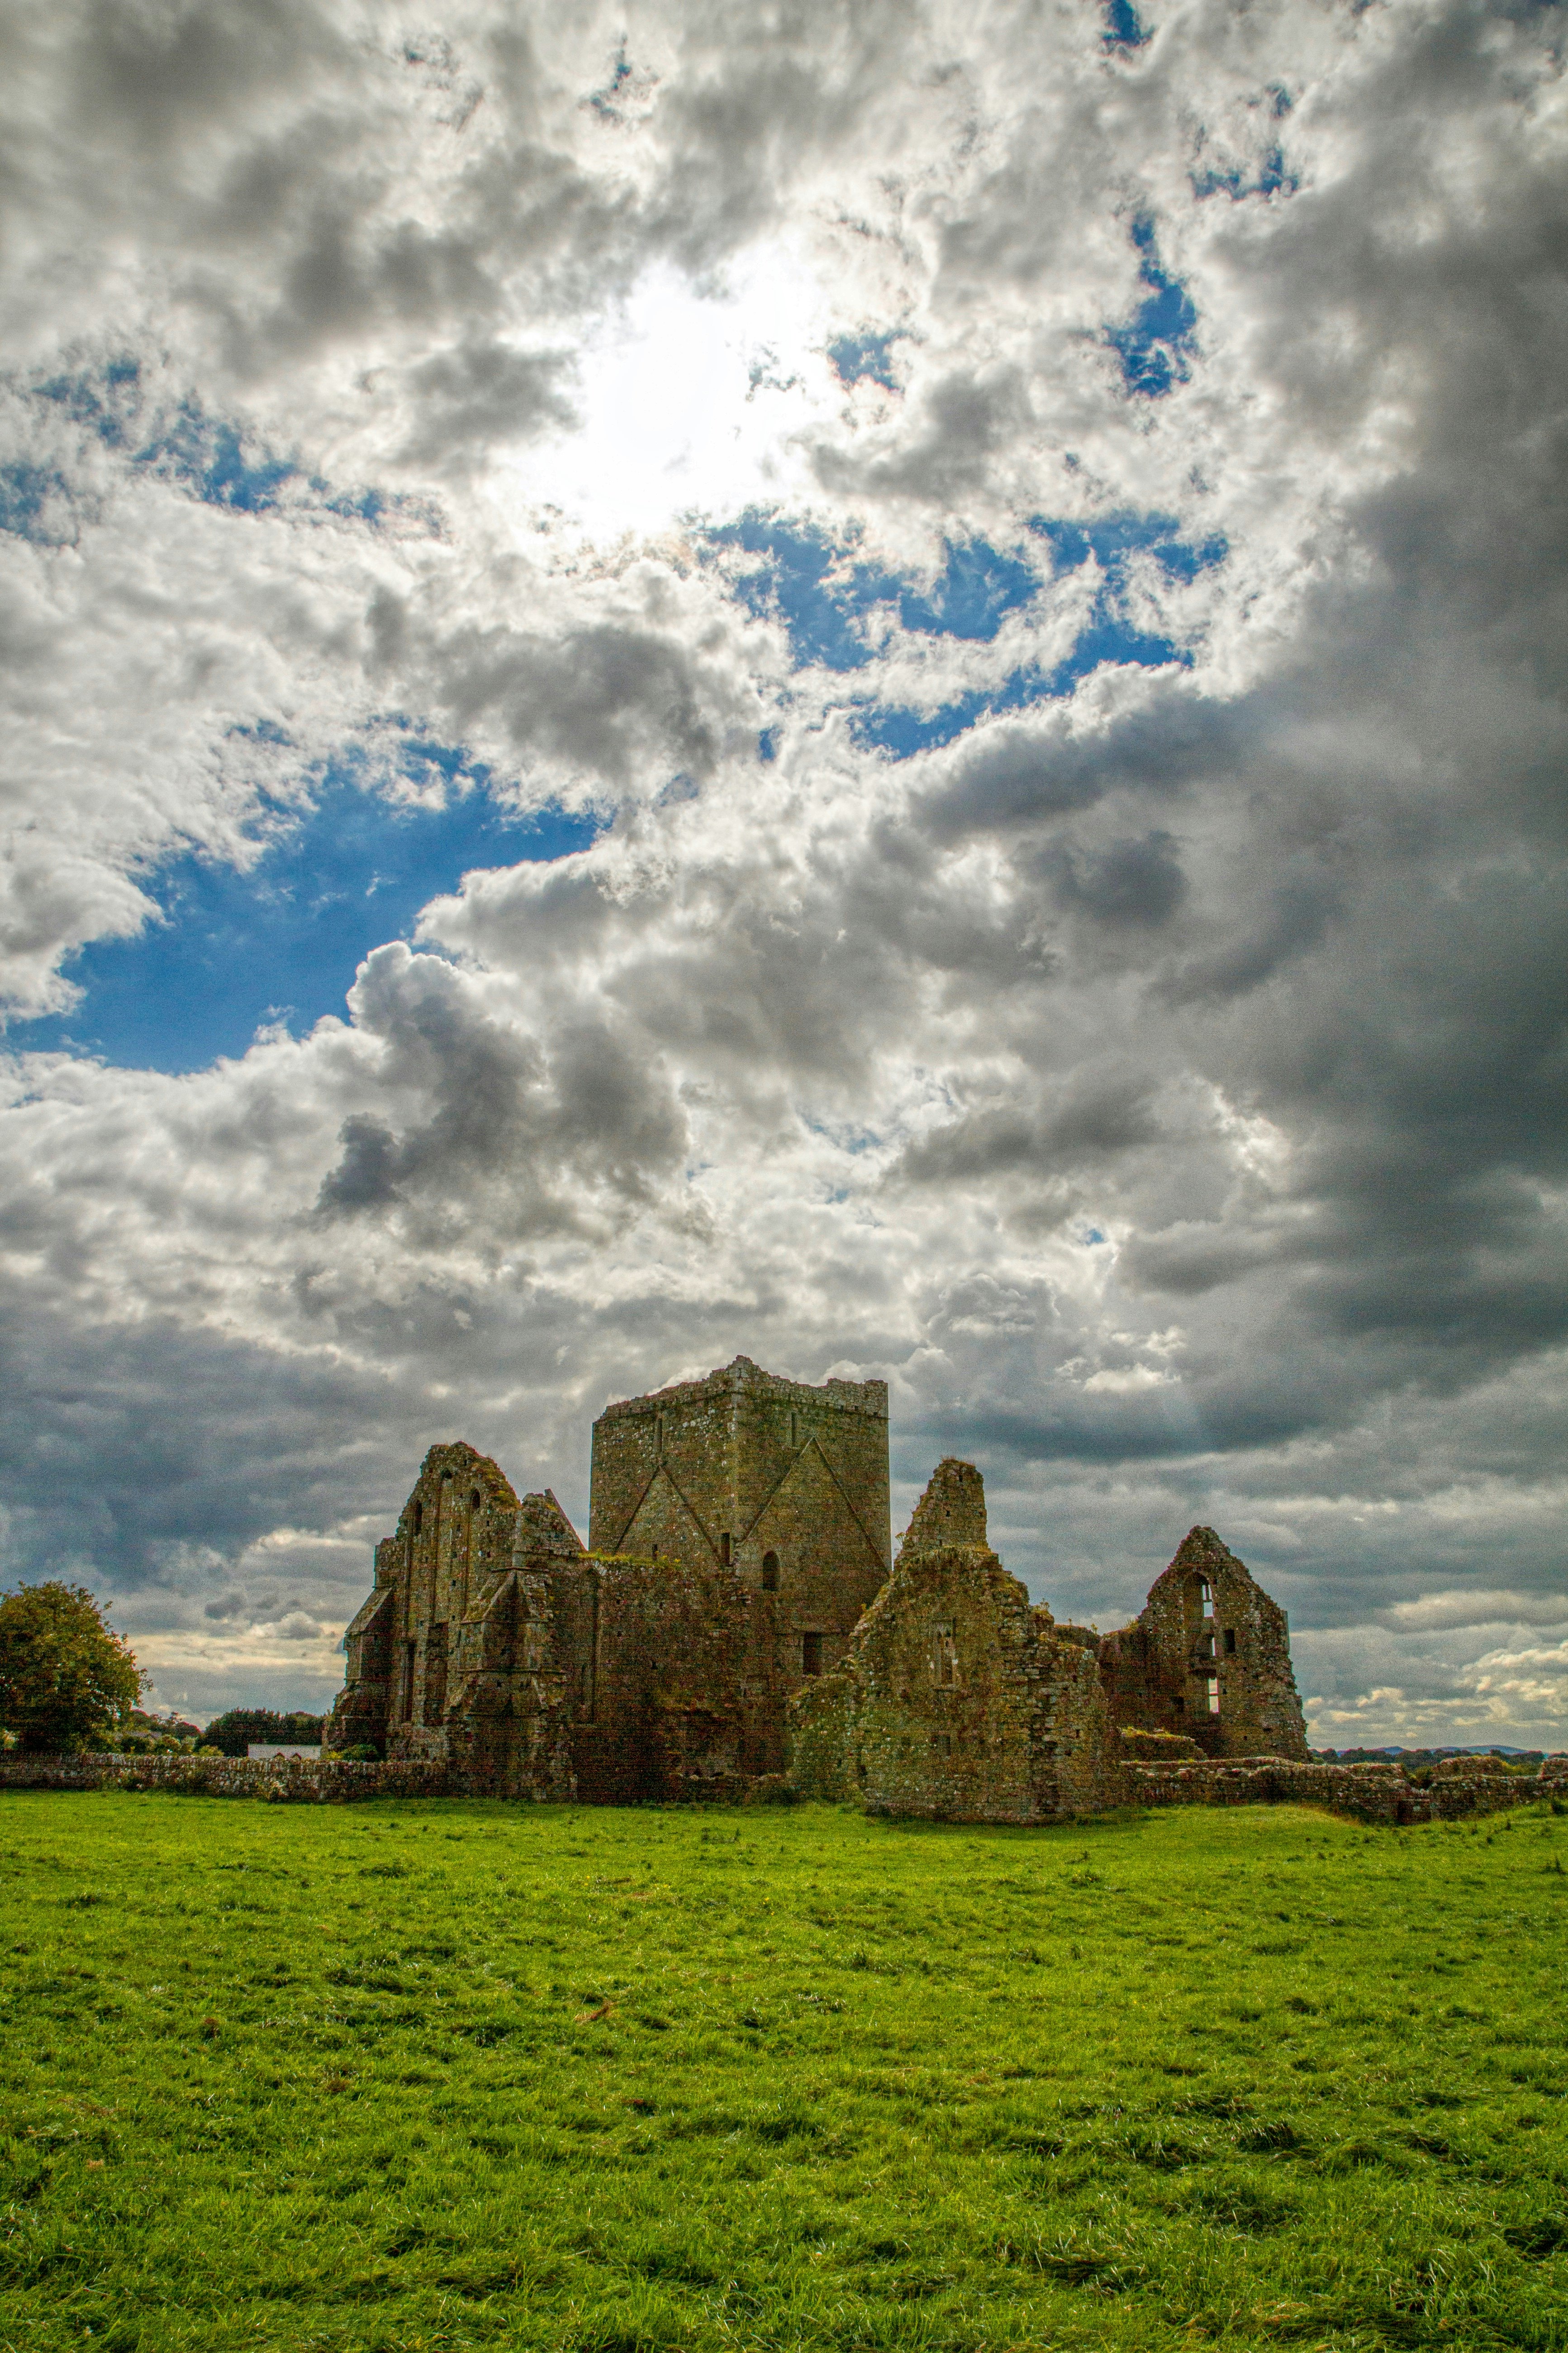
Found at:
[233, 1733]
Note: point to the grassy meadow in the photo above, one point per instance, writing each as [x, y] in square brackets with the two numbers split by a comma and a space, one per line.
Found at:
[401, 2077]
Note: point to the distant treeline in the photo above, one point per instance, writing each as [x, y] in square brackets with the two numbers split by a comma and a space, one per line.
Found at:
[234, 1732]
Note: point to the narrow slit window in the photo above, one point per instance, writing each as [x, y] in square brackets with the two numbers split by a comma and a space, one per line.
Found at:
[811, 1655]
[474, 1501]
[945, 1656]
[724, 1549]
[418, 1517]
[770, 1572]
[1230, 1641]
[1205, 1596]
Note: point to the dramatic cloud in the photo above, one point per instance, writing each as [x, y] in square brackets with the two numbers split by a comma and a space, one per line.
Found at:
[878, 687]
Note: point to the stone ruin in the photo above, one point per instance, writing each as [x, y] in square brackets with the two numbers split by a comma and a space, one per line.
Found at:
[956, 1697]
[737, 1617]
[738, 1528]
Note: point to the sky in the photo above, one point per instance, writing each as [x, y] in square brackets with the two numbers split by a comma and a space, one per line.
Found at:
[882, 686]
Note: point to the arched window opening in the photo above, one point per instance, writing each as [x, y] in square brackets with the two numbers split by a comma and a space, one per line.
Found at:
[770, 1572]
[1206, 1597]
[474, 1501]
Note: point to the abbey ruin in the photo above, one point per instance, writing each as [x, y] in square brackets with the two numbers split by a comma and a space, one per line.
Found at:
[737, 1615]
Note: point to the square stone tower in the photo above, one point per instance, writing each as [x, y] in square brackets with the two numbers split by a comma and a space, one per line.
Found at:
[782, 1482]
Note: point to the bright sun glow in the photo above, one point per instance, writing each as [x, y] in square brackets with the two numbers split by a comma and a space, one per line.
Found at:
[690, 403]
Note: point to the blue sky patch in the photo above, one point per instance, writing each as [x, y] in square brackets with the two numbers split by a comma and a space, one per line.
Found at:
[25, 494]
[1123, 29]
[822, 594]
[1108, 636]
[1155, 345]
[854, 357]
[281, 941]
[209, 456]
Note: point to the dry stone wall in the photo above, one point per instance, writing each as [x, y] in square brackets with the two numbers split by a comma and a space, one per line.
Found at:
[1374, 1793]
[294, 1780]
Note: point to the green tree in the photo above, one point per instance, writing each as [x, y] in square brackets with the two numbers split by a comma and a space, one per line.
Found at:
[65, 1679]
[233, 1733]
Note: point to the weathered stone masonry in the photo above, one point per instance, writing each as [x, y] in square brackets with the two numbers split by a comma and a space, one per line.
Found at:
[956, 1698]
[739, 1525]
[1208, 1656]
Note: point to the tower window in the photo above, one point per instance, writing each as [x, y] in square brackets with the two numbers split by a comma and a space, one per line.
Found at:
[811, 1655]
[474, 1501]
[944, 1658]
[1213, 1689]
[724, 1548]
[418, 1517]
[1206, 1597]
[1230, 1641]
[770, 1572]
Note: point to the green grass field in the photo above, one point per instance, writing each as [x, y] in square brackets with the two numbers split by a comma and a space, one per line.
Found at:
[407, 2077]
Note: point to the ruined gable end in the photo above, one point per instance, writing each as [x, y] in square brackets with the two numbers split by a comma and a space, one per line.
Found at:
[955, 1698]
[1208, 1658]
[453, 1540]
[952, 1511]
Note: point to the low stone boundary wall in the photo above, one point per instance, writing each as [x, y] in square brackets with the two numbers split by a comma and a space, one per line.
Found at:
[1374, 1793]
[300, 1780]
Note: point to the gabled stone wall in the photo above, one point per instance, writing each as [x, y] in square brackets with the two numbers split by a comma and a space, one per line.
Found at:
[1209, 1657]
[956, 1698]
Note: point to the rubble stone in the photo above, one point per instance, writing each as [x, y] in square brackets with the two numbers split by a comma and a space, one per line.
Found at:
[956, 1698]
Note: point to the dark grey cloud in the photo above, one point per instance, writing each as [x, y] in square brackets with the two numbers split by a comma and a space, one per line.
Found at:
[490, 1125]
[479, 394]
[1133, 880]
